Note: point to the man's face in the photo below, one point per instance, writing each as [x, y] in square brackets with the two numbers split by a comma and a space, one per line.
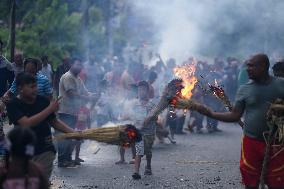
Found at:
[28, 91]
[143, 92]
[152, 80]
[255, 69]
[19, 59]
[77, 67]
[66, 61]
[31, 68]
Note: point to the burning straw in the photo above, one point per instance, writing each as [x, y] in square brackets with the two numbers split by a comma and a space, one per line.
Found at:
[122, 135]
[219, 92]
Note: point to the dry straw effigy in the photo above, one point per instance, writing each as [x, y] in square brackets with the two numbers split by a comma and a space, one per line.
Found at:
[275, 135]
[117, 135]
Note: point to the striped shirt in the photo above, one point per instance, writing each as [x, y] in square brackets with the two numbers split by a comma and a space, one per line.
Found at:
[43, 86]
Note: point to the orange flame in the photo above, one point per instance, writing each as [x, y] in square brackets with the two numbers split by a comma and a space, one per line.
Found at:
[186, 73]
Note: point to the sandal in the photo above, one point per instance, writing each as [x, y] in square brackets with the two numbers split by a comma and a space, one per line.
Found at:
[120, 162]
[132, 161]
[147, 171]
[136, 176]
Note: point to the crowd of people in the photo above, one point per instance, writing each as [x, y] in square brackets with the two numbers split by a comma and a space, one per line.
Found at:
[81, 94]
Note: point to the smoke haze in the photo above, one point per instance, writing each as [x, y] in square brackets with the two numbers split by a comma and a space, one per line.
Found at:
[213, 28]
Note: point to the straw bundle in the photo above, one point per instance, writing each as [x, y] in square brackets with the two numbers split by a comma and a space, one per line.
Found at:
[275, 121]
[117, 135]
[275, 117]
[189, 104]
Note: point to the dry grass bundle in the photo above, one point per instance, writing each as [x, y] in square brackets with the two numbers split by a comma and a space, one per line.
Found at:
[275, 117]
[186, 104]
[189, 104]
[117, 135]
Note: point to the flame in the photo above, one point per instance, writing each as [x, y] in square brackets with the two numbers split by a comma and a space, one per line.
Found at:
[186, 73]
[217, 90]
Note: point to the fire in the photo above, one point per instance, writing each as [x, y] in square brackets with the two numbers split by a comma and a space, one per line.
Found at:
[217, 90]
[186, 73]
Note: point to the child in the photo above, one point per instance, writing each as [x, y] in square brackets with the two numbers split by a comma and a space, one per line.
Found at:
[29, 110]
[83, 122]
[148, 131]
[20, 172]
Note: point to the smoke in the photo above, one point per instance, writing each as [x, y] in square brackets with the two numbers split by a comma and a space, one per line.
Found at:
[210, 28]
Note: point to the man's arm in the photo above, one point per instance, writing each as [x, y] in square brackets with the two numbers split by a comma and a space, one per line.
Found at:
[39, 117]
[88, 97]
[233, 116]
[61, 126]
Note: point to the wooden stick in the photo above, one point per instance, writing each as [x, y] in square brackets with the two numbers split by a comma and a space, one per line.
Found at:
[267, 156]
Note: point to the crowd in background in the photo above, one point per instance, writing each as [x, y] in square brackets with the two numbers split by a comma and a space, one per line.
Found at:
[122, 74]
[95, 90]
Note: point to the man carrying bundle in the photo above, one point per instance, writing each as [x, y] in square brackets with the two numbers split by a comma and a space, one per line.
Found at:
[254, 99]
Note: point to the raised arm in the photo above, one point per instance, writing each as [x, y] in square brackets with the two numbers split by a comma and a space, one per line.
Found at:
[39, 117]
[232, 116]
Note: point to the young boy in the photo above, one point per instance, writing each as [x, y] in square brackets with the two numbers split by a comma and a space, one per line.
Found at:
[83, 122]
[148, 131]
[30, 110]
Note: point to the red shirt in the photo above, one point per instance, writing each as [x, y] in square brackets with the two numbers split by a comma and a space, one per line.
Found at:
[83, 119]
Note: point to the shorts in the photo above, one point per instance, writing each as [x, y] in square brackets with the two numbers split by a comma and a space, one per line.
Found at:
[252, 156]
[45, 161]
[144, 147]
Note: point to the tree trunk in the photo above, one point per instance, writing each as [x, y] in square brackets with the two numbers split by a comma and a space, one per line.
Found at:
[13, 30]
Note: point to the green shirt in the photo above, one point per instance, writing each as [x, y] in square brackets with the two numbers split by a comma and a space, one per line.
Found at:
[254, 100]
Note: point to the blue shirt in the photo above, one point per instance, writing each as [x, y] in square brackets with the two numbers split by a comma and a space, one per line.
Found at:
[43, 86]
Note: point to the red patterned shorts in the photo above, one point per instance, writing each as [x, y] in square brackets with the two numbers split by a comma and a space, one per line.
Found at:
[252, 155]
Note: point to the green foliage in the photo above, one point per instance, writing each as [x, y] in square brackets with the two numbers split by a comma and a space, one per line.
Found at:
[55, 28]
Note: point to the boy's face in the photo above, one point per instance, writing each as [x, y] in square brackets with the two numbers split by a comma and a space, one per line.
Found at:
[28, 91]
[31, 68]
[143, 92]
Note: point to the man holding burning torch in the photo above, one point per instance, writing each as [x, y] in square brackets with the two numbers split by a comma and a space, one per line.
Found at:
[254, 99]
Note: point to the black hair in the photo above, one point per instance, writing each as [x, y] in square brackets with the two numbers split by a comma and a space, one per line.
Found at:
[143, 84]
[21, 144]
[279, 66]
[24, 78]
[44, 58]
[75, 59]
[153, 75]
[20, 139]
[34, 61]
